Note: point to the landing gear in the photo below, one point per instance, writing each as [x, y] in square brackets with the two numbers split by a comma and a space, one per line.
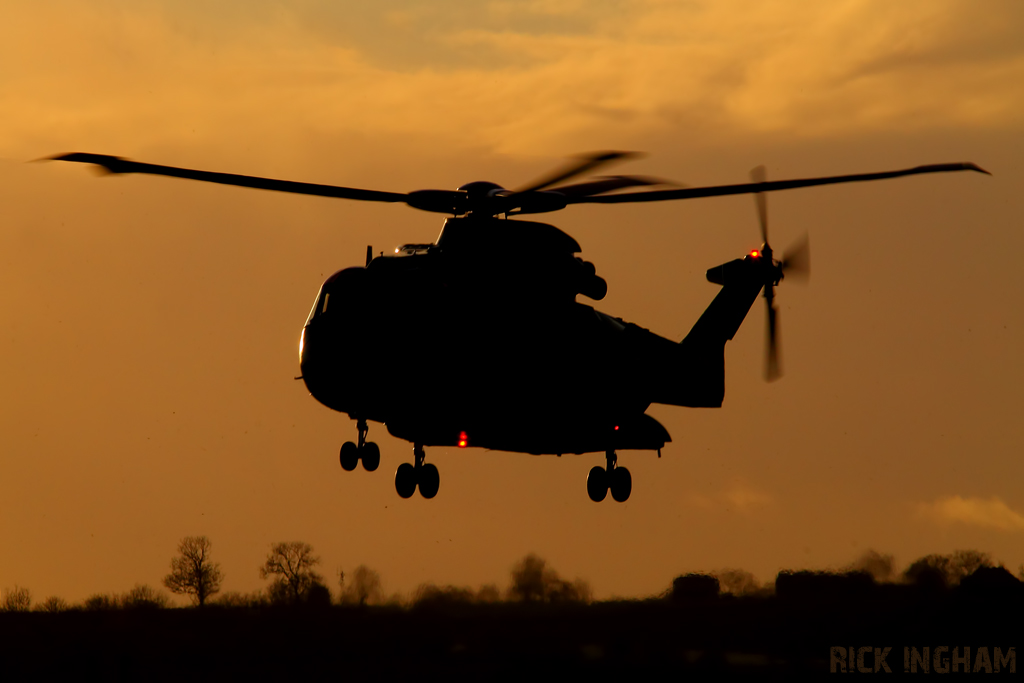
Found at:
[425, 476]
[405, 480]
[367, 451]
[597, 484]
[349, 456]
[621, 484]
[616, 479]
[430, 481]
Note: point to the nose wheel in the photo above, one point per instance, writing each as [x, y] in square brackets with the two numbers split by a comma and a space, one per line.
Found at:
[612, 478]
[418, 474]
[366, 451]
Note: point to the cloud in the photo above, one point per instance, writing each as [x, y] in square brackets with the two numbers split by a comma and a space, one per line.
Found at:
[521, 78]
[992, 512]
[738, 497]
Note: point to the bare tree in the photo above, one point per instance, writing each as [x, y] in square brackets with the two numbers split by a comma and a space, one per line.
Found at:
[291, 567]
[192, 572]
[53, 604]
[16, 599]
[143, 596]
[101, 602]
[364, 587]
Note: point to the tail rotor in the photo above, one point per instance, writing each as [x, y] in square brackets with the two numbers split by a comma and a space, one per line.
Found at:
[796, 263]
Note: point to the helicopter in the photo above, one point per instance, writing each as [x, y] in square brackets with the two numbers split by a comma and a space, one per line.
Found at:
[477, 340]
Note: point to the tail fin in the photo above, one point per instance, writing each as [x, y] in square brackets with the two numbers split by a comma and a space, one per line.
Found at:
[703, 350]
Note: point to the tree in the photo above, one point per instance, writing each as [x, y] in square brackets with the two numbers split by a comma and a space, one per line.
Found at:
[533, 581]
[143, 597]
[946, 571]
[192, 572]
[53, 604]
[101, 602]
[291, 567]
[528, 580]
[431, 595]
[236, 599]
[881, 567]
[16, 599]
[737, 582]
[364, 587]
[488, 593]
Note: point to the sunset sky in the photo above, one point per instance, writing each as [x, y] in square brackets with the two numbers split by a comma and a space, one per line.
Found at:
[149, 326]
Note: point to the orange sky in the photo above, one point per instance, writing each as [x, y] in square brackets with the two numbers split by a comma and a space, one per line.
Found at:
[149, 326]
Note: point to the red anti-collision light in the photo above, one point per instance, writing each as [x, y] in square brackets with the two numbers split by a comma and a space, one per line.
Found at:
[463, 440]
[616, 427]
[755, 253]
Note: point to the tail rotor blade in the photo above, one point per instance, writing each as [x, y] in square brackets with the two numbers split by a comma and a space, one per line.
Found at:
[773, 369]
[797, 261]
[759, 175]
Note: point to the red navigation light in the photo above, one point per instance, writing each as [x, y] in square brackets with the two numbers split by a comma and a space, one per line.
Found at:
[616, 427]
[463, 440]
[755, 253]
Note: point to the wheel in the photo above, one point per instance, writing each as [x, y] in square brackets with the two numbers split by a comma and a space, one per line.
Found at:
[349, 456]
[597, 484]
[621, 484]
[370, 455]
[430, 481]
[405, 480]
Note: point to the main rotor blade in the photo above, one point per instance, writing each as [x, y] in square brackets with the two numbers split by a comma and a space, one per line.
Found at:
[583, 163]
[602, 185]
[760, 175]
[119, 165]
[772, 186]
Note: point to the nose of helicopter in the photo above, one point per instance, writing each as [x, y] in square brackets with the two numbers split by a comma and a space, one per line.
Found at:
[309, 341]
[310, 362]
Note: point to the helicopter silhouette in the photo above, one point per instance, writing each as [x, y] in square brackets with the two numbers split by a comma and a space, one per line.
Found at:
[478, 340]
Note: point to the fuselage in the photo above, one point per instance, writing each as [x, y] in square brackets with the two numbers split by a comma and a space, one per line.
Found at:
[466, 343]
[439, 363]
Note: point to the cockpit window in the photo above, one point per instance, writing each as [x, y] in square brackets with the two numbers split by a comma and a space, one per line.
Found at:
[339, 292]
[318, 306]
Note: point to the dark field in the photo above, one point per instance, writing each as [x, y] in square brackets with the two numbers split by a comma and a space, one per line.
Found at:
[783, 635]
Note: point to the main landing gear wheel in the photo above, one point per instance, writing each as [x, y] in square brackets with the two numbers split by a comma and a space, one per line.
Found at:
[430, 481]
[621, 484]
[405, 480]
[597, 484]
[367, 451]
[616, 479]
[349, 456]
[410, 476]
[370, 456]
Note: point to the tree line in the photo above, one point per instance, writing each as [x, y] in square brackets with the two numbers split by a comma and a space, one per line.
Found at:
[292, 568]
